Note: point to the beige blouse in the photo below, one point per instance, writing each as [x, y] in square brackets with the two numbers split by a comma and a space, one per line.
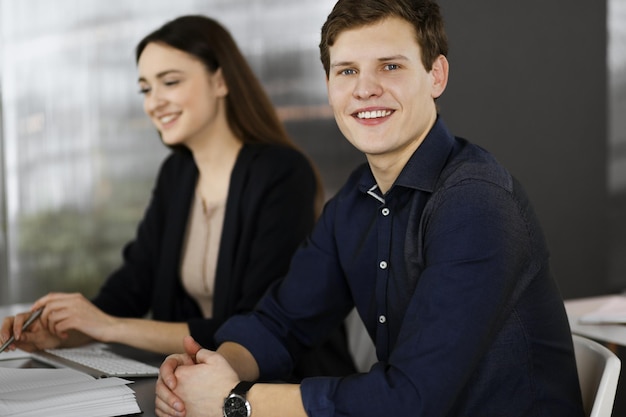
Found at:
[200, 251]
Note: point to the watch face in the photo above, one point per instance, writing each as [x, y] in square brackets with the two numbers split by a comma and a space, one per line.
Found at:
[236, 406]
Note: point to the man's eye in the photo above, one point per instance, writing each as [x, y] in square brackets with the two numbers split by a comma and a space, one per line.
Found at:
[347, 71]
[391, 67]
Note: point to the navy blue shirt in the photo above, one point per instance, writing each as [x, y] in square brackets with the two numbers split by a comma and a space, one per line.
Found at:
[449, 271]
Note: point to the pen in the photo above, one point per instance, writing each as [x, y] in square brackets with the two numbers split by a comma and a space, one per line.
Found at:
[35, 314]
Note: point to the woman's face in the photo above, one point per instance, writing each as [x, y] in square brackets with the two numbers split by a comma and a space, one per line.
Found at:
[184, 101]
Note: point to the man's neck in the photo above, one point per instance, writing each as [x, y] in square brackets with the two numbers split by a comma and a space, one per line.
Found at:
[387, 167]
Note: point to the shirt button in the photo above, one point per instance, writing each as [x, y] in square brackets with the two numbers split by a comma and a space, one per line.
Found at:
[383, 265]
[385, 211]
[382, 319]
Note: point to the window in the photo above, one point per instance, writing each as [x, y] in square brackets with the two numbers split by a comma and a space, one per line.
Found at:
[79, 155]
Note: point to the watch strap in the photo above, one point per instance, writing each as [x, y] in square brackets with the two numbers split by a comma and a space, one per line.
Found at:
[242, 388]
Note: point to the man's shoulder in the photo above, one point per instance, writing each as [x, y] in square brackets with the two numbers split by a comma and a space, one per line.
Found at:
[471, 162]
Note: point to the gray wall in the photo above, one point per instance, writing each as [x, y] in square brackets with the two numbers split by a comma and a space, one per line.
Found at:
[528, 82]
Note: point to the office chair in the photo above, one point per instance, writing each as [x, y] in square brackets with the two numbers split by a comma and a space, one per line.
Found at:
[598, 373]
[361, 346]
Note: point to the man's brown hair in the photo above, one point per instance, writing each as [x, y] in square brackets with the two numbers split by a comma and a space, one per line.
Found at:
[423, 15]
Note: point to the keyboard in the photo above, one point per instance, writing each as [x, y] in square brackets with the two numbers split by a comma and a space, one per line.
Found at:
[96, 360]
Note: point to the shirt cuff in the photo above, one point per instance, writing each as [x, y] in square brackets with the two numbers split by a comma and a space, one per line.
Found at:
[272, 357]
[317, 394]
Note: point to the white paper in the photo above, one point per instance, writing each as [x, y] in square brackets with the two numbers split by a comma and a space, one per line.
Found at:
[612, 311]
[63, 392]
[14, 354]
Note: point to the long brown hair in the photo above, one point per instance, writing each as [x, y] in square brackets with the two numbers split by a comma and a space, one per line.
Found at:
[250, 113]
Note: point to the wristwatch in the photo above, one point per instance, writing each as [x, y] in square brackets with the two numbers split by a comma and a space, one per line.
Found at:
[236, 404]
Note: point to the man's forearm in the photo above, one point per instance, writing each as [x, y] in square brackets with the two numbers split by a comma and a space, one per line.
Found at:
[241, 360]
[266, 400]
[270, 400]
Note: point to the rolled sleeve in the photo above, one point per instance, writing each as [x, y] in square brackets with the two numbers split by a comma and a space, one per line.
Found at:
[272, 357]
[317, 396]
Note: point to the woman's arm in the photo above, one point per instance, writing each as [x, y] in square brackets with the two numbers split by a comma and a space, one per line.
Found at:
[148, 334]
[64, 313]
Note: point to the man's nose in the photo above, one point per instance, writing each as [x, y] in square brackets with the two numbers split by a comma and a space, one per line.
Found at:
[367, 86]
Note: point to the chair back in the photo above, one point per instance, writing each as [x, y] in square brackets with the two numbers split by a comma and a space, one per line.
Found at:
[598, 373]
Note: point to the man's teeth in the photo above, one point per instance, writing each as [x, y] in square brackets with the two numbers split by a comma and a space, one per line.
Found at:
[167, 119]
[373, 114]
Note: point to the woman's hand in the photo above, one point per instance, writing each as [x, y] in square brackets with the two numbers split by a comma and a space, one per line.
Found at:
[35, 337]
[65, 312]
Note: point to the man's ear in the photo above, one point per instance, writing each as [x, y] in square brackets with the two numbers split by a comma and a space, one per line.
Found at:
[327, 91]
[439, 73]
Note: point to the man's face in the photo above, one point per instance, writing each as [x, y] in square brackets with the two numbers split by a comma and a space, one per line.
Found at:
[380, 92]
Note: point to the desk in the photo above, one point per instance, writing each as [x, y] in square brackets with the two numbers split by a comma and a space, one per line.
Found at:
[610, 333]
[144, 387]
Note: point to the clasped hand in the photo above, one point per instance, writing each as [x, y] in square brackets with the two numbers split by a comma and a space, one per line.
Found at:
[193, 384]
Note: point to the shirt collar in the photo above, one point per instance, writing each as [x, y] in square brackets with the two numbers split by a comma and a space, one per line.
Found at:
[422, 170]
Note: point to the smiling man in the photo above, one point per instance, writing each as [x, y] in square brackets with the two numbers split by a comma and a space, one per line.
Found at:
[433, 242]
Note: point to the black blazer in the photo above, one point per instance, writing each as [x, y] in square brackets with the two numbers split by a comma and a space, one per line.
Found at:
[269, 212]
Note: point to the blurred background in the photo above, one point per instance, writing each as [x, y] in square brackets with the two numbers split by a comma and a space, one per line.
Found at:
[540, 84]
[80, 156]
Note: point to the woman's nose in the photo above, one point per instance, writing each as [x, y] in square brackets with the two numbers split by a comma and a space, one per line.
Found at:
[153, 100]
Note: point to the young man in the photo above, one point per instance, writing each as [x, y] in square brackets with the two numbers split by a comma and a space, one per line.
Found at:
[432, 240]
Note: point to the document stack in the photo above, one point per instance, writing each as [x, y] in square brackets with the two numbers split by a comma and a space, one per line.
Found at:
[63, 392]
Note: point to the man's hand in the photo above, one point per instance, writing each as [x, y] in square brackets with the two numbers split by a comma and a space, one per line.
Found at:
[194, 384]
[167, 403]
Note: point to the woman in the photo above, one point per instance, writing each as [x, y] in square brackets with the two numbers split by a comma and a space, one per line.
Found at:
[230, 205]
